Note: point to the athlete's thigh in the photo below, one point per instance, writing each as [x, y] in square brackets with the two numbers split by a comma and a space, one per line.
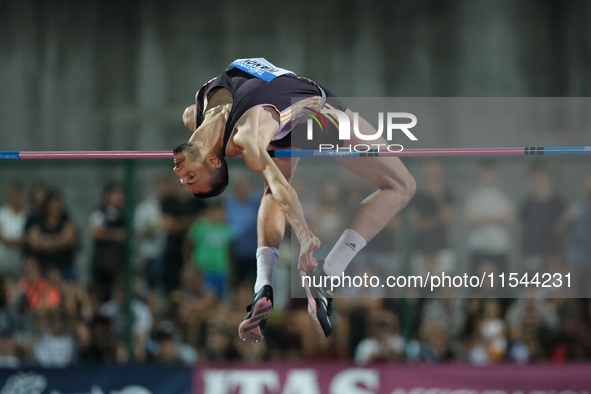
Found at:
[380, 171]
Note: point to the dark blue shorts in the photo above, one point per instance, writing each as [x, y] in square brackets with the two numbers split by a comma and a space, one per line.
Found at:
[327, 133]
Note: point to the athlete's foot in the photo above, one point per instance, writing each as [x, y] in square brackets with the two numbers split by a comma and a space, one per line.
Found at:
[319, 300]
[252, 328]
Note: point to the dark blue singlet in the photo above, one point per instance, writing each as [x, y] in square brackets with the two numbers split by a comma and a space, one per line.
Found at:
[249, 91]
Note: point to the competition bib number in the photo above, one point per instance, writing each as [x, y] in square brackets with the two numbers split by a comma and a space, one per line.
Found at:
[260, 68]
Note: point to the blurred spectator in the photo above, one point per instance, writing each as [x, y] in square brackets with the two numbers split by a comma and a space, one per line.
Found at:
[353, 317]
[432, 212]
[568, 310]
[533, 322]
[474, 308]
[37, 197]
[115, 310]
[179, 211]
[8, 356]
[192, 303]
[56, 346]
[489, 213]
[532, 314]
[449, 313]
[572, 342]
[107, 227]
[477, 346]
[576, 222]
[311, 345]
[38, 292]
[186, 352]
[140, 355]
[493, 331]
[6, 313]
[13, 218]
[255, 352]
[218, 344]
[282, 342]
[167, 352]
[169, 348]
[149, 229]
[209, 242]
[529, 334]
[381, 251]
[242, 208]
[540, 214]
[435, 346]
[384, 344]
[100, 347]
[52, 238]
[518, 349]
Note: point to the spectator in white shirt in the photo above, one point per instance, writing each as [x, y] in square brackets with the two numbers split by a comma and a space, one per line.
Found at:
[13, 217]
[149, 229]
[55, 347]
[114, 309]
[489, 215]
[385, 343]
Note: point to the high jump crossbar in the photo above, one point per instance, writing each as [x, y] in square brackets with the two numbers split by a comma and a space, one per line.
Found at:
[427, 152]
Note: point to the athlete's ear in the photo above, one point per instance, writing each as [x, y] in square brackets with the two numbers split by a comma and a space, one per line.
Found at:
[213, 161]
[189, 118]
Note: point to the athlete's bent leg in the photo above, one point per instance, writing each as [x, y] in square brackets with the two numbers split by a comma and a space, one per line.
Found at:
[395, 189]
[396, 186]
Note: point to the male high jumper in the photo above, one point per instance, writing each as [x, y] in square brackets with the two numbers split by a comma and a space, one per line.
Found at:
[249, 109]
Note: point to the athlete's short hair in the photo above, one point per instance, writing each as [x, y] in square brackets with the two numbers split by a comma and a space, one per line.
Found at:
[192, 152]
[219, 179]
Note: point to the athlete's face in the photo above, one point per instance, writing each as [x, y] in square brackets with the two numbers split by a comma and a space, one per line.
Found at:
[195, 176]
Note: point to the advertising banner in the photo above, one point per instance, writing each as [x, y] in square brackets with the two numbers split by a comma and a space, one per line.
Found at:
[343, 378]
[97, 380]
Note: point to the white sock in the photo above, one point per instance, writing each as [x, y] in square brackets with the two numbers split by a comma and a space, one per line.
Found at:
[266, 259]
[343, 252]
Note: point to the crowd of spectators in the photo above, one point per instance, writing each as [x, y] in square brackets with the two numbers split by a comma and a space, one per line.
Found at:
[194, 271]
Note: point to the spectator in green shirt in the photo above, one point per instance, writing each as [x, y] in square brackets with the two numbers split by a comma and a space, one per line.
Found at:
[209, 242]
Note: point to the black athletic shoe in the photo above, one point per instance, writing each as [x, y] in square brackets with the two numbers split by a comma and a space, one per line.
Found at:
[319, 300]
[253, 326]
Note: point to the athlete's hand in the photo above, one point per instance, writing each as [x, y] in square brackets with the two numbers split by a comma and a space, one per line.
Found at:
[308, 244]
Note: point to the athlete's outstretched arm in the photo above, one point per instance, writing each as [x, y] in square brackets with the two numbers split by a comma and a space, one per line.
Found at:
[257, 159]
